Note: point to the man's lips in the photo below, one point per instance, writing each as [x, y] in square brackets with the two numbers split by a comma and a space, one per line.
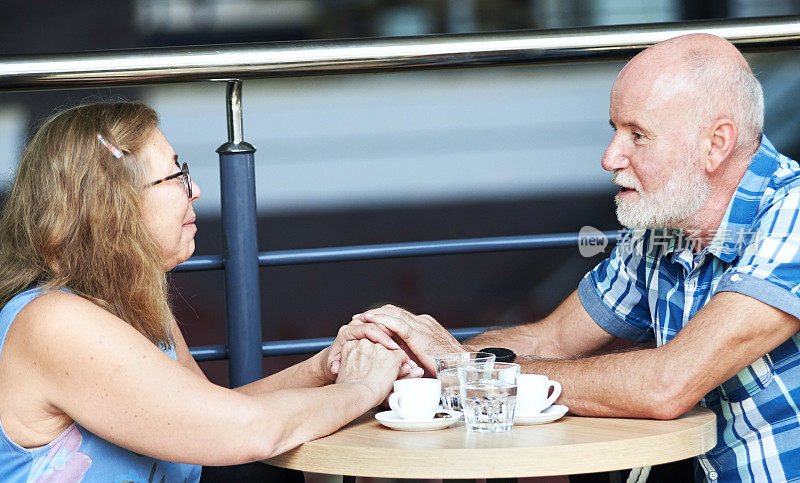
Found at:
[621, 179]
[625, 192]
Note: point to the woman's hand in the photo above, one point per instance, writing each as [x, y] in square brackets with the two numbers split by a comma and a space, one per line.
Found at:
[357, 330]
[371, 365]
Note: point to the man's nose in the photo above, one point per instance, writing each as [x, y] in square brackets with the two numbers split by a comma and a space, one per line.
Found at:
[615, 157]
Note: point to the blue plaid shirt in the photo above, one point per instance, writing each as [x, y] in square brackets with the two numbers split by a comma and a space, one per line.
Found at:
[653, 284]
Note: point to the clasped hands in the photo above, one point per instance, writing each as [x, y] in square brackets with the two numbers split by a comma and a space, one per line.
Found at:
[418, 337]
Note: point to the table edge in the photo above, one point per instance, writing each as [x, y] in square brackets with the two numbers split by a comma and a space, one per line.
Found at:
[496, 462]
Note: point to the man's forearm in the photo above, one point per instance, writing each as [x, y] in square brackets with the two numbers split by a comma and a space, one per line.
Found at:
[608, 385]
[540, 339]
[520, 339]
[566, 333]
[629, 384]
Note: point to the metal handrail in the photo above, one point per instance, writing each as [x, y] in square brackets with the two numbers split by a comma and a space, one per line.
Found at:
[397, 250]
[280, 59]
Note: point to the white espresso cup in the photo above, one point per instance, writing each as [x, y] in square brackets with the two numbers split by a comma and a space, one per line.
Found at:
[416, 398]
[533, 394]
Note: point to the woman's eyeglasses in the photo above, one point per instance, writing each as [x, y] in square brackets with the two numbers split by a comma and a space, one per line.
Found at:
[183, 174]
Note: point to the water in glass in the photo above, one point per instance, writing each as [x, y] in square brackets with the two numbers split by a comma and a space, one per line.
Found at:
[488, 405]
[447, 373]
[449, 378]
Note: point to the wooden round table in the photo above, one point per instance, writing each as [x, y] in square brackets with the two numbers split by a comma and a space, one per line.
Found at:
[570, 445]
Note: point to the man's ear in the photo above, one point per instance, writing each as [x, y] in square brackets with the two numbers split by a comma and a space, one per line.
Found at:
[719, 143]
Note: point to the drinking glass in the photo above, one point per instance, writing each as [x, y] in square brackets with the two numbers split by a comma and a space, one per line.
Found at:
[488, 396]
[446, 365]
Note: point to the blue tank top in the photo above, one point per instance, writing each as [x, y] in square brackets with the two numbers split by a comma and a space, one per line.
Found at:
[77, 454]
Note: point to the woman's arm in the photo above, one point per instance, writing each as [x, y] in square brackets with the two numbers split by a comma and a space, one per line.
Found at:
[308, 373]
[312, 372]
[110, 379]
[183, 353]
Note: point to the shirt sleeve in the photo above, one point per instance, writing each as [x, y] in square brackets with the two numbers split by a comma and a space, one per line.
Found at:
[614, 293]
[769, 268]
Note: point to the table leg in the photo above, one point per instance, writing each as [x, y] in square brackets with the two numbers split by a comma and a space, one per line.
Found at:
[348, 479]
[616, 477]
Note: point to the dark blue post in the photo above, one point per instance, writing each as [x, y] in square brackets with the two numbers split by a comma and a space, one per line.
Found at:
[242, 300]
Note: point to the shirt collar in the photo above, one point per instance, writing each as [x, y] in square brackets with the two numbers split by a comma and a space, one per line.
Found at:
[734, 230]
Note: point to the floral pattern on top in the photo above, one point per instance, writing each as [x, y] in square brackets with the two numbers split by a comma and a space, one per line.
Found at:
[63, 463]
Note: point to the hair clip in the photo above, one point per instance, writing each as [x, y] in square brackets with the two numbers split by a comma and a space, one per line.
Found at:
[116, 152]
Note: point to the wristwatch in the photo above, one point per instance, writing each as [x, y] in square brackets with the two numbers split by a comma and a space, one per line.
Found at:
[501, 354]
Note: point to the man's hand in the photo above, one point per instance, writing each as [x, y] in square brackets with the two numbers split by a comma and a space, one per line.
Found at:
[423, 335]
[357, 330]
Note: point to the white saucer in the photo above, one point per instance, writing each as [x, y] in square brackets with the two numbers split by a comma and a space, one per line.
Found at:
[391, 420]
[553, 413]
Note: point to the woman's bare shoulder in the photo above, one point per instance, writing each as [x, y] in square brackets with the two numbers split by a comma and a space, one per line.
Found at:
[55, 300]
[57, 327]
[58, 310]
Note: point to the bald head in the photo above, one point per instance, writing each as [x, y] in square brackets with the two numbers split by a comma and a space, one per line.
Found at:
[705, 45]
[708, 76]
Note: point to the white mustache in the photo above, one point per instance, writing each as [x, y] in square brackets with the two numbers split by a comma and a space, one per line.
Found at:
[625, 180]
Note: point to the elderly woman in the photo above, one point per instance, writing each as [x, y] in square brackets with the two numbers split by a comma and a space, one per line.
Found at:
[96, 381]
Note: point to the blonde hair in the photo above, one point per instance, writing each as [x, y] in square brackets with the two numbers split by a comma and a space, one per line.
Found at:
[72, 219]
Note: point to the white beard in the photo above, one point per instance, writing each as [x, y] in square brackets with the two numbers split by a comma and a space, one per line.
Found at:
[682, 196]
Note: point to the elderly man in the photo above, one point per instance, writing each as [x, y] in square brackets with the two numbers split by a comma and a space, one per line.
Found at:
[711, 273]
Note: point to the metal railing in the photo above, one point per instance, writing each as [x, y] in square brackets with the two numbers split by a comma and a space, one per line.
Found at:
[231, 63]
[276, 59]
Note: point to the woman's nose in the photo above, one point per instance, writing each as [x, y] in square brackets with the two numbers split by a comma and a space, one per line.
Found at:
[195, 191]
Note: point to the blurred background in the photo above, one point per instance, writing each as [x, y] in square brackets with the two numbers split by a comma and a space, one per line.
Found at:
[380, 158]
